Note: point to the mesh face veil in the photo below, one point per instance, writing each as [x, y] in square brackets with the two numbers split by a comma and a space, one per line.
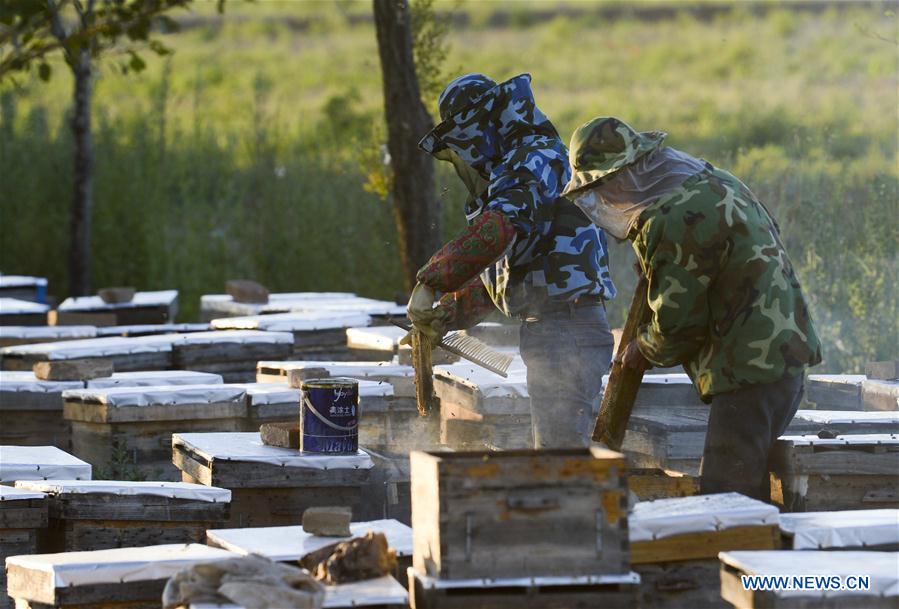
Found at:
[617, 219]
[474, 182]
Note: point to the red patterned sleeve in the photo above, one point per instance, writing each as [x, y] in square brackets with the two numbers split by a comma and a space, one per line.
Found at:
[466, 307]
[463, 258]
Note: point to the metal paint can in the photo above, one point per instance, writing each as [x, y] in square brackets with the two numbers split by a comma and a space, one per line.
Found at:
[329, 416]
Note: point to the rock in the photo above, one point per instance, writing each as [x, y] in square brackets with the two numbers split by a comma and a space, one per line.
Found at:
[246, 291]
[359, 558]
[116, 295]
[283, 435]
[328, 521]
[72, 369]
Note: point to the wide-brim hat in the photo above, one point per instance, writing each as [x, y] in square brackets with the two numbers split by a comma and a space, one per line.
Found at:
[602, 146]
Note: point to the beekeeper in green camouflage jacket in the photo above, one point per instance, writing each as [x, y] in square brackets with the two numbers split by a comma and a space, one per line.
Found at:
[725, 300]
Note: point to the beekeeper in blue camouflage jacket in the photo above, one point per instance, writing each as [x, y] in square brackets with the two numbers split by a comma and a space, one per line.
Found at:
[526, 251]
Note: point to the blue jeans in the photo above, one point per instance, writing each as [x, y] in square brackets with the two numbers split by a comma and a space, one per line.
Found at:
[566, 353]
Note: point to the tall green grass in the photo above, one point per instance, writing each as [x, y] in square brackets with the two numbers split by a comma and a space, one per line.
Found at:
[247, 152]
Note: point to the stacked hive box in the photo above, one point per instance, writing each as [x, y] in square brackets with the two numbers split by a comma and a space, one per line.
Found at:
[318, 335]
[23, 514]
[148, 329]
[520, 529]
[31, 410]
[29, 335]
[125, 578]
[811, 473]
[231, 353]
[270, 485]
[878, 590]
[481, 409]
[126, 354]
[213, 306]
[842, 530]
[23, 287]
[104, 514]
[132, 426]
[382, 344]
[144, 308]
[15, 312]
[675, 545]
[40, 463]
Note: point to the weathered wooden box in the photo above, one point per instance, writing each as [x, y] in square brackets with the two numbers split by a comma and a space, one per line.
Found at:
[125, 578]
[23, 287]
[23, 514]
[104, 514]
[145, 308]
[648, 484]
[835, 391]
[880, 568]
[127, 354]
[519, 513]
[40, 463]
[665, 391]
[480, 409]
[316, 334]
[231, 353]
[31, 410]
[675, 544]
[270, 486]
[880, 395]
[131, 427]
[842, 530]
[378, 343]
[15, 312]
[847, 472]
[213, 306]
[30, 335]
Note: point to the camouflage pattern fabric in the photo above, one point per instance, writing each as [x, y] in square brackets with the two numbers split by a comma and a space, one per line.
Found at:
[602, 146]
[725, 299]
[557, 253]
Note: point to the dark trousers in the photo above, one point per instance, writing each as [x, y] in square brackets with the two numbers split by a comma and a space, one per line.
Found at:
[743, 426]
[567, 353]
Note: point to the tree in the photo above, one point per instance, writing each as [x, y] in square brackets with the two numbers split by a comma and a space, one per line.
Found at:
[31, 31]
[415, 203]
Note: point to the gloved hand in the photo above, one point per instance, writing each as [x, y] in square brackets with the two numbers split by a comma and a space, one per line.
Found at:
[431, 321]
[421, 303]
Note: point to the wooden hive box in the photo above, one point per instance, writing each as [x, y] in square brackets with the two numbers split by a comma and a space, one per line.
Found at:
[154, 378]
[481, 409]
[15, 312]
[231, 353]
[559, 592]
[23, 514]
[881, 569]
[135, 424]
[843, 530]
[132, 330]
[145, 308]
[24, 287]
[213, 306]
[519, 513]
[648, 484]
[880, 395]
[31, 410]
[675, 544]
[835, 391]
[665, 391]
[125, 578]
[30, 335]
[372, 344]
[319, 335]
[292, 543]
[390, 487]
[40, 463]
[809, 473]
[126, 354]
[105, 514]
[269, 486]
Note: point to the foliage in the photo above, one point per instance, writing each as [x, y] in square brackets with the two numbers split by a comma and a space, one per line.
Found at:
[232, 162]
[429, 49]
[122, 464]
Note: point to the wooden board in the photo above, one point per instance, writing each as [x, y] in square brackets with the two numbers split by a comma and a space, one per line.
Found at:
[686, 584]
[519, 513]
[653, 483]
[464, 429]
[835, 391]
[705, 544]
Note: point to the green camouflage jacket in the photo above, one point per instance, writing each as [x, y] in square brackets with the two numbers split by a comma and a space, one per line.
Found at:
[725, 300]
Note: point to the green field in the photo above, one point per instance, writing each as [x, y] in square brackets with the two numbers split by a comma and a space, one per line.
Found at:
[246, 153]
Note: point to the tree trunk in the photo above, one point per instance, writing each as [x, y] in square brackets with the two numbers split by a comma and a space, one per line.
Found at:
[416, 206]
[80, 246]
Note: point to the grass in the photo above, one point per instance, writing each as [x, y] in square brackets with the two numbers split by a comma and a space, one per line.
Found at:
[246, 152]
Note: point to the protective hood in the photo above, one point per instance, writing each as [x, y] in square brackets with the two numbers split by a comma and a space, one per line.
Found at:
[489, 124]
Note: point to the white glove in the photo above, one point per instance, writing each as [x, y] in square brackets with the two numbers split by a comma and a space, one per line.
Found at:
[421, 304]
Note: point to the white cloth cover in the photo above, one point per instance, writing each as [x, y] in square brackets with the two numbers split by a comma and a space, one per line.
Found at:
[47, 332]
[97, 347]
[292, 543]
[378, 338]
[358, 370]
[846, 417]
[141, 299]
[260, 394]
[490, 385]
[881, 567]
[120, 565]
[173, 490]
[433, 583]
[141, 329]
[847, 440]
[240, 337]
[847, 379]
[13, 306]
[40, 463]
[155, 378]
[24, 381]
[846, 529]
[247, 446]
[21, 281]
[302, 321]
[124, 397]
[11, 493]
[680, 515]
